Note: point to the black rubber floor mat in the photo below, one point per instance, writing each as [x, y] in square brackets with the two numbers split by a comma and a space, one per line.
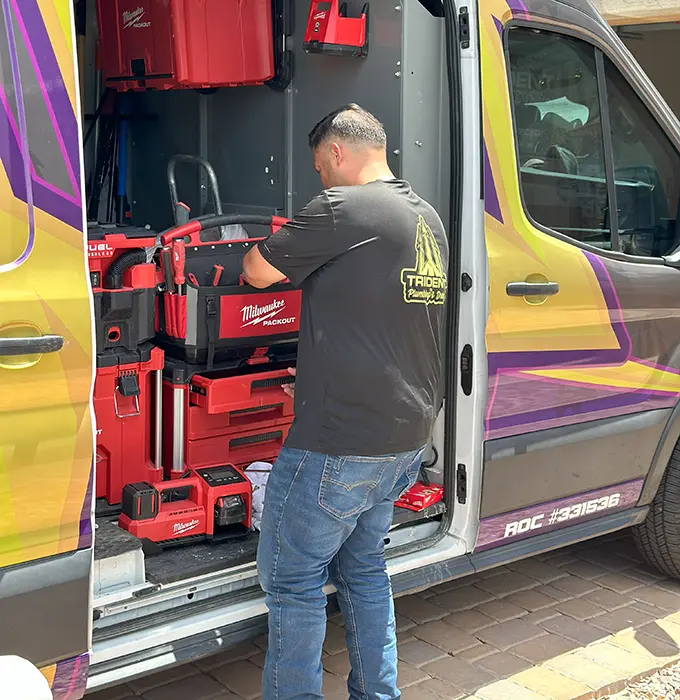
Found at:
[111, 541]
[181, 563]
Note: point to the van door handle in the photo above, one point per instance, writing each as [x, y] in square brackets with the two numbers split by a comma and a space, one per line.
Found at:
[37, 345]
[532, 289]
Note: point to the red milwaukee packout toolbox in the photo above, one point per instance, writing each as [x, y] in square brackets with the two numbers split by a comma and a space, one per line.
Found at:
[207, 311]
[170, 44]
[237, 415]
[123, 285]
[127, 412]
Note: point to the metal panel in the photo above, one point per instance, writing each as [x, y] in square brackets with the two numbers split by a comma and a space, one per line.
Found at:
[523, 470]
[246, 145]
[49, 594]
[425, 126]
[323, 83]
[163, 124]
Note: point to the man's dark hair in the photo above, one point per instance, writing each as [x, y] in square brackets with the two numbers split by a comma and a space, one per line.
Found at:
[349, 123]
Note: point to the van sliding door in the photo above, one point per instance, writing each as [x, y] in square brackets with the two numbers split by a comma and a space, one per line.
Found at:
[46, 433]
[581, 203]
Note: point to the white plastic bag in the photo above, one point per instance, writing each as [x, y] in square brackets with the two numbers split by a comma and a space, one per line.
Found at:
[258, 474]
[21, 680]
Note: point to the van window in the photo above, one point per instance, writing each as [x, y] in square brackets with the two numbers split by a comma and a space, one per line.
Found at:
[556, 100]
[647, 172]
[559, 134]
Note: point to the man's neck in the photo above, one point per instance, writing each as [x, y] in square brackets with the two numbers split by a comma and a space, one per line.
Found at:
[374, 171]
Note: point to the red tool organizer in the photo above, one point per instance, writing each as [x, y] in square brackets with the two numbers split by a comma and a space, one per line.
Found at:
[207, 310]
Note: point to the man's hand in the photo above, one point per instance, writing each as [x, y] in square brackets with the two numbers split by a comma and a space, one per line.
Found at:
[257, 272]
[290, 388]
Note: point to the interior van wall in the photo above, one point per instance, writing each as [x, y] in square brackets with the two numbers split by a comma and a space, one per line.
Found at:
[322, 83]
[164, 123]
[256, 138]
[246, 146]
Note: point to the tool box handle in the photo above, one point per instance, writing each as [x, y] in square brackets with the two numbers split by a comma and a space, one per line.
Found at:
[197, 225]
[175, 484]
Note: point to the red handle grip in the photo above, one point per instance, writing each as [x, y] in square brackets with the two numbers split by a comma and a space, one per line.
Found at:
[178, 261]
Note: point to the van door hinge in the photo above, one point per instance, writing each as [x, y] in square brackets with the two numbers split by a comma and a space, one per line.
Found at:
[464, 28]
[461, 484]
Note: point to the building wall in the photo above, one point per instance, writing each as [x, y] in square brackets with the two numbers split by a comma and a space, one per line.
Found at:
[653, 51]
[638, 11]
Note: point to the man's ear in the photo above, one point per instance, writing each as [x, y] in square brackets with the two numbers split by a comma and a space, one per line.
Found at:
[337, 153]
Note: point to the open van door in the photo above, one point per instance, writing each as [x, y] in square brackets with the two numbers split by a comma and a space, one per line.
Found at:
[46, 370]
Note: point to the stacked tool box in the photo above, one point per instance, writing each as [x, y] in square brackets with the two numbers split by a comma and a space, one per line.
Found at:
[228, 349]
[237, 415]
[127, 381]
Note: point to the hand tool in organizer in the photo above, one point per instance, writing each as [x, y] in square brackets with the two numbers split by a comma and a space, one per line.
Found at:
[207, 313]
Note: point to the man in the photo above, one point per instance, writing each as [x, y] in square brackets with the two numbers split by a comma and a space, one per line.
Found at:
[370, 258]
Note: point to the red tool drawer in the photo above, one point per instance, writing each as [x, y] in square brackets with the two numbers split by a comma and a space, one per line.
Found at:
[222, 405]
[239, 448]
[244, 392]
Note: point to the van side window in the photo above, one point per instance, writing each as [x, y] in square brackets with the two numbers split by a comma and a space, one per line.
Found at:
[559, 134]
[646, 170]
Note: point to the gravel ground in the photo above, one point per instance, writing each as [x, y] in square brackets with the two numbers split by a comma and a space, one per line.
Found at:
[664, 685]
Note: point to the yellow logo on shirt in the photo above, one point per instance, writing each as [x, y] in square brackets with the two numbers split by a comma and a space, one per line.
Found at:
[426, 282]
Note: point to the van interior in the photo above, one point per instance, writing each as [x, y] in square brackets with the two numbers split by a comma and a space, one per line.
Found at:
[238, 118]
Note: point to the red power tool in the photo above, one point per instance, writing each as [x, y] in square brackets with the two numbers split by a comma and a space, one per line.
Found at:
[213, 503]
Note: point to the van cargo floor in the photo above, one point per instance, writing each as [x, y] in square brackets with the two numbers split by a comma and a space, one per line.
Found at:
[198, 558]
[180, 563]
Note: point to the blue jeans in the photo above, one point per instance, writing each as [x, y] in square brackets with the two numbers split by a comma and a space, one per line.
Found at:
[327, 518]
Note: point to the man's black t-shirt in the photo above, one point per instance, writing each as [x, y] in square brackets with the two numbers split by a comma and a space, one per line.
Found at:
[371, 262]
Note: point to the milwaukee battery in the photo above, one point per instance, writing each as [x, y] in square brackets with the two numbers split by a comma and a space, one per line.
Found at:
[125, 413]
[171, 44]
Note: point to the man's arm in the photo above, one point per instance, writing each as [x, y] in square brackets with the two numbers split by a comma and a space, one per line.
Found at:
[258, 272]
[298, 249]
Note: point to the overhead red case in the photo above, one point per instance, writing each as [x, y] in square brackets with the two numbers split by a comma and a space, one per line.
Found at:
[170, 44]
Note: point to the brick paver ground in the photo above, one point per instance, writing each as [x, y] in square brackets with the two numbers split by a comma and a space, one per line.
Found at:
[577, 623]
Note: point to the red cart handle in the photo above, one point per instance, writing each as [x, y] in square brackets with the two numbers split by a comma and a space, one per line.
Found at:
[197, 225]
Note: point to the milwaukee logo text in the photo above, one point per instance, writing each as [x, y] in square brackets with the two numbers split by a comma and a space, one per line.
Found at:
[267, 314]
[133, 18]
[181, 528]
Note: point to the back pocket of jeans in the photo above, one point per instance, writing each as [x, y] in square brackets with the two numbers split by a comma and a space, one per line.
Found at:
[347, 483]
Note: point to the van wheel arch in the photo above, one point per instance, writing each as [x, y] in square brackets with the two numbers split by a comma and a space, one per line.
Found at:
[658, 536]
